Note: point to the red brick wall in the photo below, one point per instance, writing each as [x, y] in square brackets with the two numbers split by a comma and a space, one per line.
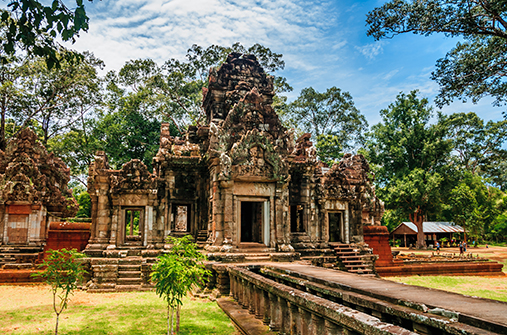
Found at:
[377, 237]
[68, 235]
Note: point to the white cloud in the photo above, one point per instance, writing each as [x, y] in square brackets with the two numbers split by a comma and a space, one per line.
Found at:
[371, 50]
[125, 29]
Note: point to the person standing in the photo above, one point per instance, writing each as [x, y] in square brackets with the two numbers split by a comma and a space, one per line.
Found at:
[460, 248]
[437, 244]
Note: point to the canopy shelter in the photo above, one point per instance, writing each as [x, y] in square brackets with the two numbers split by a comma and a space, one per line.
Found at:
[433, 231]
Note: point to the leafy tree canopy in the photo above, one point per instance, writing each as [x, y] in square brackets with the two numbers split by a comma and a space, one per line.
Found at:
[332, 119]
[475, 67]
[32, 27]
[406, 140]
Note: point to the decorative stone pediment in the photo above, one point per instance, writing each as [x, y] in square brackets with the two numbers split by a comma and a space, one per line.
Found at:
[133, 175]
[31, 175]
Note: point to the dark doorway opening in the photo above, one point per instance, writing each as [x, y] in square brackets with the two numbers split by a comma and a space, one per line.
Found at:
[296, 219]
[251, 221]
[335, 220]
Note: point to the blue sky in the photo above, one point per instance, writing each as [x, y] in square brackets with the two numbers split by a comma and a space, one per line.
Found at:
[324, 44]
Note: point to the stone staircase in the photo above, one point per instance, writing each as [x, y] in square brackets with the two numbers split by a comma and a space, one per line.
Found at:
[19, 255]
[350, 260]
[201, 238]
[130, 273]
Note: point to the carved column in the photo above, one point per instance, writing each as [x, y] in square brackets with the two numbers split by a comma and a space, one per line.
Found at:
[332, 328]
[258, 303]
[317, 325]
[295, 319]
[252, 297]
[266, 308]
[227, 188]
[284, 316]
[245, 294]
[306, 321]
[274, 324]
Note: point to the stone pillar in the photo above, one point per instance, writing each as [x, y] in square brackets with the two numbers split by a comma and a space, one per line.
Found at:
[332, 328]
[306, 321]
[218, 216]
[284, 316]
[244, 303]
[317, 325]
[232, 279]
[258, 303]
[295, 319]
[266, 304]
[274, 324]
[252, 297]
[227, 188]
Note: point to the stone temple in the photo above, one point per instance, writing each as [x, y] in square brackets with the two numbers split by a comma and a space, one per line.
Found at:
[240, 181]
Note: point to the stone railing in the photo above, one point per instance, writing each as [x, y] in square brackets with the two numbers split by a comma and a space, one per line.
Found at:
[291, 311]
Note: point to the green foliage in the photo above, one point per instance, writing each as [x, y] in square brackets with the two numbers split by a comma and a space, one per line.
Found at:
[408, 154]
[177, 272]
[475, 67]
[392, 219]
[332, 119]
[33, 27]
[329, 148]
[478, 146]
[405, 140]
[62, 271]
[85, 205]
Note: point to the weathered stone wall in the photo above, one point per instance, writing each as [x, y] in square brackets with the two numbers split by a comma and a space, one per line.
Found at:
[33, 186]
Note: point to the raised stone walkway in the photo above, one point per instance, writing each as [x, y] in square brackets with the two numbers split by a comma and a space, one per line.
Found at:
[477, 309]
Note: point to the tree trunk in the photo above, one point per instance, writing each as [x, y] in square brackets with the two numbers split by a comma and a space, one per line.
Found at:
[417, 218]
[169, 320]
[178, 319]
[56, 328]
[2, 131]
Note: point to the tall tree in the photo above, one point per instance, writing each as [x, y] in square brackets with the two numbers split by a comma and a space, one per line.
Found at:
[478, 146]
[332, 119]
[56, 98]
[407, 153]
[475, 67]
[32, 26]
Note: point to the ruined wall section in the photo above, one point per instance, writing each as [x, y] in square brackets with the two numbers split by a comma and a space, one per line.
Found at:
[351, 180]
[32, 183]
[183, 179]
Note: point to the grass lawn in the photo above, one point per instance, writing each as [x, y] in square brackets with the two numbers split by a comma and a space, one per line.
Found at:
[485, 287]
[29, 310]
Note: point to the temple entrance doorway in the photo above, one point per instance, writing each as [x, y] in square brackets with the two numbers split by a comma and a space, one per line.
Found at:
[251, 221]
[133, 224]
[335, 226]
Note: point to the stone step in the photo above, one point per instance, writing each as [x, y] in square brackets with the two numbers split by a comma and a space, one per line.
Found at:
[129, 274]
[326, 259]
[129, 267]
[356, 256]
[18, 266]
[361, 271]
[353, 261]
[346, 253]
[257, 258]
[355, 267]
[129, 288]
[129, 281]
[130, 261]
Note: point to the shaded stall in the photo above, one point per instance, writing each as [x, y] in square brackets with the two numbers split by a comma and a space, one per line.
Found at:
[433, 231]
